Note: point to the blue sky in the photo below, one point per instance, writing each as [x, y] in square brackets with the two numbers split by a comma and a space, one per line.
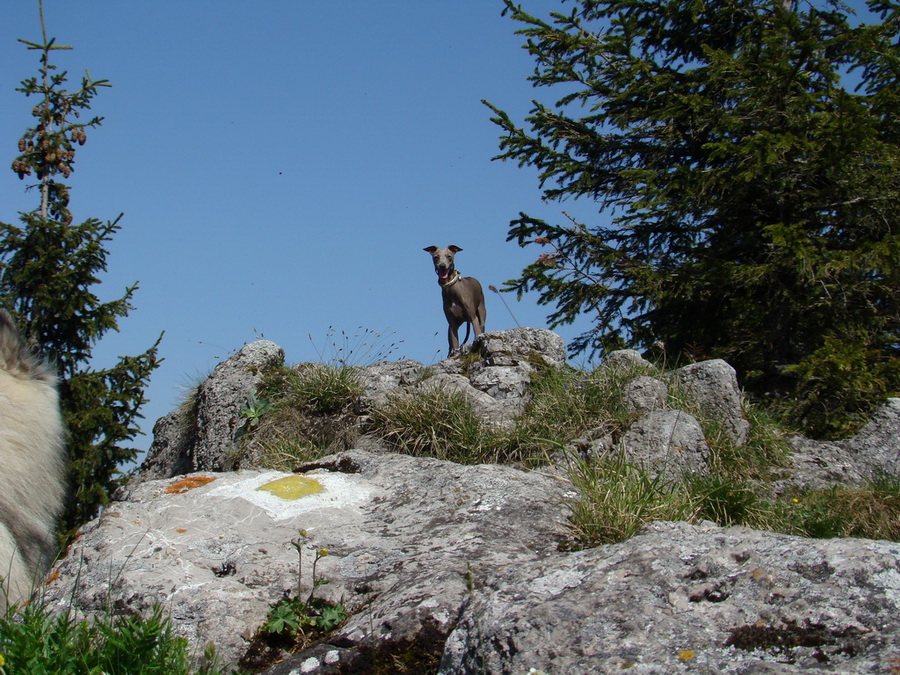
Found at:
[282, 164]
[280, 167]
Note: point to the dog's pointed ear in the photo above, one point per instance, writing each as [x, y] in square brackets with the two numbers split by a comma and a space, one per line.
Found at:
[454, 248]
[430, 249]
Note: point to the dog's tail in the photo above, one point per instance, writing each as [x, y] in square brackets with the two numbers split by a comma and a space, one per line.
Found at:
[16, 358]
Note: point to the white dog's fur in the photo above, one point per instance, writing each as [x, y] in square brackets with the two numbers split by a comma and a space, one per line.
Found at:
[32, 466]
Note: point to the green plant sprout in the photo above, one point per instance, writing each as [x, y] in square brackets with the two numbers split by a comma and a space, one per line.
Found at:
[295, 616]
[255, 409]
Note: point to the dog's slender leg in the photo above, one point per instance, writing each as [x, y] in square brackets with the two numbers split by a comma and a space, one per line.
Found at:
[453, 338]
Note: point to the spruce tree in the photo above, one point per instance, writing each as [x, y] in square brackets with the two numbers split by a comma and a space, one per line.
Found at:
[48, 268]
[749, 195]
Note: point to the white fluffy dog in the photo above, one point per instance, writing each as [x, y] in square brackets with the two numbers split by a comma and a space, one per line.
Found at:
[32, 466]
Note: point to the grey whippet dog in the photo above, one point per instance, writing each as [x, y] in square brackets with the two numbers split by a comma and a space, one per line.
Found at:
[462, 296]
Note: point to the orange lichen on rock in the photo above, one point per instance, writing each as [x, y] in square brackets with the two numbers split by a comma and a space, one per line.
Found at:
[188, 483]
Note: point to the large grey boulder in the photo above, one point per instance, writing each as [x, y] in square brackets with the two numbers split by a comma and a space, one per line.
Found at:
[201, 435]
[876, 448]
[381, 380]
[683, 598]
[519, 346]
[644, 394]
[873, 453]
[465, 563]
[669, 442]
[405, 536]
[493, 373]
[714, 387]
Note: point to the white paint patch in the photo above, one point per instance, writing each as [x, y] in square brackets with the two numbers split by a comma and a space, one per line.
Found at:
[340, 490]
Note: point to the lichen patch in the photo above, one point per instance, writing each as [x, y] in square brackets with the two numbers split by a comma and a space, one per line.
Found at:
[188, 483]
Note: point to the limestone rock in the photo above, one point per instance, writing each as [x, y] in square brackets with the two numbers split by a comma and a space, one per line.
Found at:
[222, 396]
[713, 385]
[493, 372]
[381, 380]
[521, 345]
[422, 549]
[876, 448]
[874, 452]
[817, 465]
[494, 411]
[625, 358]
[502, 382]
[667, 441]
[201, 436]
[404, 534]
[644, 394]
[173, 440]
[682, 598]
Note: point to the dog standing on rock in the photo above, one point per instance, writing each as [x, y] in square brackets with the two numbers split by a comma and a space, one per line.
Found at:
[33, 482]
[462, 296]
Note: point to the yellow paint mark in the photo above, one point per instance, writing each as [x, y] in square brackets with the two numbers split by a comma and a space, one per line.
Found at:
[292, 487]
[188, 483]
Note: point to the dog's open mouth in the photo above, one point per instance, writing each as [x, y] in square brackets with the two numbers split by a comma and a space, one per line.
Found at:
[443, 273]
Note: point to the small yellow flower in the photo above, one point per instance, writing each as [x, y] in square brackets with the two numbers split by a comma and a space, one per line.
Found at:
[323, 552]
[686, 654]
[2, 661]
[796, 501]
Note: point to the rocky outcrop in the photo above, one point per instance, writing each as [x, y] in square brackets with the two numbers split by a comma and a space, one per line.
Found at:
[670, 442]
[464, 565]
[873, 453]
[468, 568]
[714, 388]
[682, 598]
[202, 434]
[494, 375]
[406, 537]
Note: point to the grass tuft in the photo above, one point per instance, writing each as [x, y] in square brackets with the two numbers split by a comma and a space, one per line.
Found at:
[308, 413]
[437, 423]
[871, 511]
[616, 498]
